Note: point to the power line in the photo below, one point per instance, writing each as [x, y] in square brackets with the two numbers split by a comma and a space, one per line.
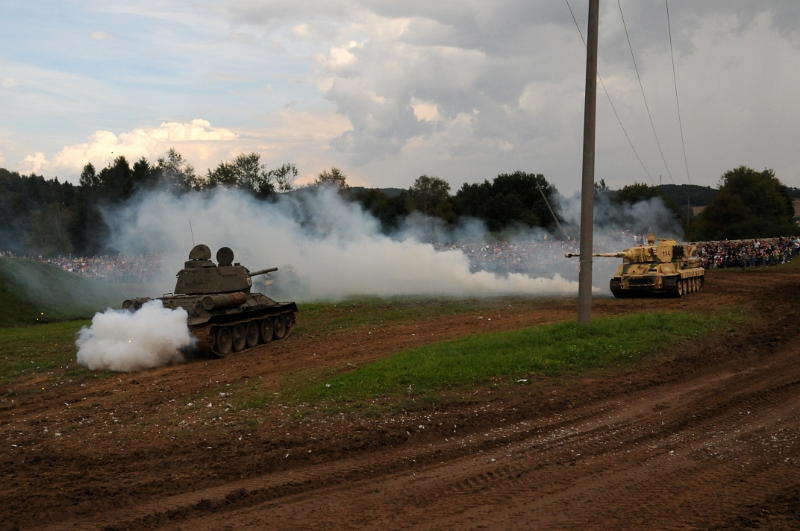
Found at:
[609, 99]
[677, 101]
[643, 96]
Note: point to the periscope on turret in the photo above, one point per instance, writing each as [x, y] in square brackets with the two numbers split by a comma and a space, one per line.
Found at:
[224, 316]
[661, 266]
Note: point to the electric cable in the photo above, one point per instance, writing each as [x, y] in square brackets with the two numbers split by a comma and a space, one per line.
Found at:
[609, 100]
[677, 101]
[619, 4]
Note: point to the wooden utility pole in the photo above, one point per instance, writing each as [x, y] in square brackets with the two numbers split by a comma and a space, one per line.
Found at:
[587, 176]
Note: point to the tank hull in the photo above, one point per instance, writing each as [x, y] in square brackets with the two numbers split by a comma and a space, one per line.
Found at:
[223, 315]
[653, 283]
[206, 325]
[273, 321]
[207, 334]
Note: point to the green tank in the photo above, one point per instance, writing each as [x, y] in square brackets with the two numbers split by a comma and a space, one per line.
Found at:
[224, 316]
[661, 267]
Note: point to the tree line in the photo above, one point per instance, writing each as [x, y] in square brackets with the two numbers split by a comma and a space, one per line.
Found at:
[49, 217]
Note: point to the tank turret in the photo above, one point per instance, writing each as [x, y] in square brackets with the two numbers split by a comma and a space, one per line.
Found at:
[661, 266]
[224, 316]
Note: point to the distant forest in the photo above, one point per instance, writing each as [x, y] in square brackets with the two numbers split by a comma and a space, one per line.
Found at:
[48, 217]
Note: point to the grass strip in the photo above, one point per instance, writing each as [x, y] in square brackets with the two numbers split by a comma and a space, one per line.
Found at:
[35, 349]
[330, 317]
[552, 350]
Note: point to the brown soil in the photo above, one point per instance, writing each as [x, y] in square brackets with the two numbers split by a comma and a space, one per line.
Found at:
[704, 437]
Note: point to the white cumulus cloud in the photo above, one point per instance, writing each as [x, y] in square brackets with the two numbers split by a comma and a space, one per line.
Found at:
[428, 112]
[195, 140]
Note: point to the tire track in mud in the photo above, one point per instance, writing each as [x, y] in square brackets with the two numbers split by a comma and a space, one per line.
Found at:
[604, 463]
[619, 460]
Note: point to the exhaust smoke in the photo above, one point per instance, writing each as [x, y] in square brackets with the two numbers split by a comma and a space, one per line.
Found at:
[121, 341]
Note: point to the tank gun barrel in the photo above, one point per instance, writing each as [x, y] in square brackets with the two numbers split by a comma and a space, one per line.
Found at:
[603, 255]
[262, 271]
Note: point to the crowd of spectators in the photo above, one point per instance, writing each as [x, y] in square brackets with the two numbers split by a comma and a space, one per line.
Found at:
[535, 257]
[543, 256]
[531, 257]
[747, 253]
[107, 268]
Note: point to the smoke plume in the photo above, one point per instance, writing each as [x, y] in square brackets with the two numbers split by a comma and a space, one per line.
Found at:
[122, 341]
[644, 217]
[335, 248]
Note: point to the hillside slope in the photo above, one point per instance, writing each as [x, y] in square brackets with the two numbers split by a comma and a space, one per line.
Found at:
[33, 292]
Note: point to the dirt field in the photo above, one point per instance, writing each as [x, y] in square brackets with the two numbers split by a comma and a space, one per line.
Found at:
[706, 437]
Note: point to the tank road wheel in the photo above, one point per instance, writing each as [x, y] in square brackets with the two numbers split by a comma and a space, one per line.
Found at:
[252, 334]
[616, 288]
[266, 330]
[671, 286]
[239, 338]
[224, 340]
[695, 284]
[279, 323]
[212, 339]
[290, 321]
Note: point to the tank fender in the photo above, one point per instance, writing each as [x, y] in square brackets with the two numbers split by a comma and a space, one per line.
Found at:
[134, 304]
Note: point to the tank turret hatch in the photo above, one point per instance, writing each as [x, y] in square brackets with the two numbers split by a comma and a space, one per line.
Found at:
[225, 256]
[200, 252]
[201, 276]
[199, 256]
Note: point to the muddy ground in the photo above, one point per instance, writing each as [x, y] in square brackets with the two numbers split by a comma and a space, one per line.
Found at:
[704, 437]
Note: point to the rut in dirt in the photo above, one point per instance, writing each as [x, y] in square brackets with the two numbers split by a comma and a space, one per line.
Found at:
[700, 440]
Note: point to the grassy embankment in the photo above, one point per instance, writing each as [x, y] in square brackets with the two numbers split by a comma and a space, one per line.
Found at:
[26, 350]
[41, 310]
[553, 350]
[46, 293]
[35, 293]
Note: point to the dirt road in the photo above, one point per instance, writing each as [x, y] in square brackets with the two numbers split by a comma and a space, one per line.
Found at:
[704, 438]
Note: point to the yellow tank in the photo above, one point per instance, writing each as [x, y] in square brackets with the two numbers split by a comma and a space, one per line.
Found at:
[661, 266]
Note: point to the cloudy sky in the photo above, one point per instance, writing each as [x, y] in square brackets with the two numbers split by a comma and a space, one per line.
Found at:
[390, 90]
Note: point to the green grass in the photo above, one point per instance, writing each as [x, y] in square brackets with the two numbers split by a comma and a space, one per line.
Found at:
[35, 349]
[501, 358]
[794, 263]
[327, 317]
[34, 292]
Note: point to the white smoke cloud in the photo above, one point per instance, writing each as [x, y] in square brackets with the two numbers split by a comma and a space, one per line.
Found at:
[124, 341]
[335, 248]
[644, 217]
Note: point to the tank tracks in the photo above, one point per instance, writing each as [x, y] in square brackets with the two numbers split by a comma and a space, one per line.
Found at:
[673, 286]
[222, 339]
